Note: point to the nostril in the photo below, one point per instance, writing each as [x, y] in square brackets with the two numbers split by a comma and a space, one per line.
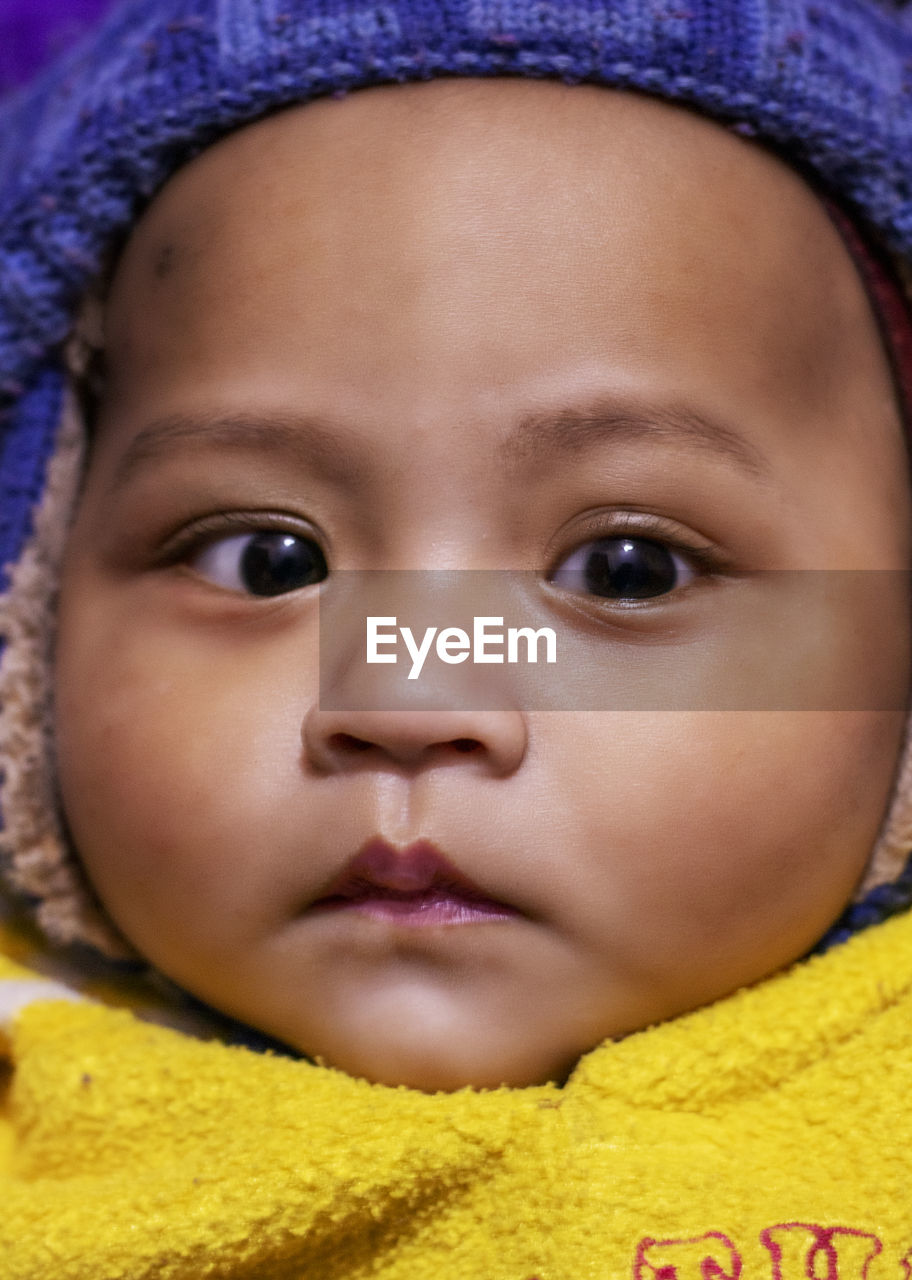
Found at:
[348, 742]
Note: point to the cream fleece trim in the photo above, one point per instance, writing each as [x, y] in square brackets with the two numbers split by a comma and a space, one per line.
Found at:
[891, 852]
[37, 858]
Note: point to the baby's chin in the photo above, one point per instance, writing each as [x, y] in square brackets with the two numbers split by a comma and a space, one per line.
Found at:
[435, 1065]
[432, 1046]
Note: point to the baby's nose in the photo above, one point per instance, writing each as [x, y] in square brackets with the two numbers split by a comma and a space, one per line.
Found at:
[494, 741]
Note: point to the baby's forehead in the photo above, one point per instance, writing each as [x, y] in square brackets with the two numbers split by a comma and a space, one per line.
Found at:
[477, 226]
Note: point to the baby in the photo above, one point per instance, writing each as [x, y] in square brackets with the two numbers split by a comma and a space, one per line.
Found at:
[463, 325]
[571, 331]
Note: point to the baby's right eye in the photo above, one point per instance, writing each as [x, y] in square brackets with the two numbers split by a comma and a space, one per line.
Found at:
[624, 568]
[266, 562]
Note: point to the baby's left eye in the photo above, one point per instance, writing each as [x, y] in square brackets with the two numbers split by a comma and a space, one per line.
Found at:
[623, 568]
[266, 562]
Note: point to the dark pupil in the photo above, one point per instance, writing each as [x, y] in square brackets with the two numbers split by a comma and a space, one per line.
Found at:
[273, 563]
[629, 567]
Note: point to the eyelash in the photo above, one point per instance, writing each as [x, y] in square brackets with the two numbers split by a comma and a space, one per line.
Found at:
[209, 529]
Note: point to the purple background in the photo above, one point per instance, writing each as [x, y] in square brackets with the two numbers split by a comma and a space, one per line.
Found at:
[33, 31]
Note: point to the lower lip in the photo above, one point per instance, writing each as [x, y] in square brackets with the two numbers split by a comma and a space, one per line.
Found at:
[430, 908]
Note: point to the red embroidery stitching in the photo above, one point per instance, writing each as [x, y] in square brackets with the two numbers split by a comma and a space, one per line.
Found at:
[822, 1242]
[710, 1268]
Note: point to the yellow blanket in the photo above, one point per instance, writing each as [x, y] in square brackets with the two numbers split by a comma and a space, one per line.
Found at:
[768, 1136]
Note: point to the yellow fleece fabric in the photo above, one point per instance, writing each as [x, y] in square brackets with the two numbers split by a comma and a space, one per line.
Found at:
[766, 1137]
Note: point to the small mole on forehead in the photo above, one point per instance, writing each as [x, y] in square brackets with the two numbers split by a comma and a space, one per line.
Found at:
[164, 259]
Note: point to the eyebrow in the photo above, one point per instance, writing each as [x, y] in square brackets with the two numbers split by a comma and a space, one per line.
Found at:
[328, 449]
[539, 436]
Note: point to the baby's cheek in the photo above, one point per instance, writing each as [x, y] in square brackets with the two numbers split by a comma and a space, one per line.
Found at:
[133, 757]
[117, 729]
[791, 804]
[713, 830]
[838, 765]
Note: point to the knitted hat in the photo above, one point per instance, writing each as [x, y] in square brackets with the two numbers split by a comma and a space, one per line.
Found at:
[83, 150]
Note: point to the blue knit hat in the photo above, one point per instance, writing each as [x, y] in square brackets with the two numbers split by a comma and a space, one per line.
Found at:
[83, 150]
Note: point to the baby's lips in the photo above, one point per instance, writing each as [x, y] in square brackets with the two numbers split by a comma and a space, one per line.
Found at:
[381, 869]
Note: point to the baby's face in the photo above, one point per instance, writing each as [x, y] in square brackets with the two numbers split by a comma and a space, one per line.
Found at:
[321, 339]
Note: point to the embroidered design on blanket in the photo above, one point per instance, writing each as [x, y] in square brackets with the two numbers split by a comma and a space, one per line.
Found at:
[797, 1251]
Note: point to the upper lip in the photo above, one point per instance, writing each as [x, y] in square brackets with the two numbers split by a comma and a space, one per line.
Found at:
[379, 869]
